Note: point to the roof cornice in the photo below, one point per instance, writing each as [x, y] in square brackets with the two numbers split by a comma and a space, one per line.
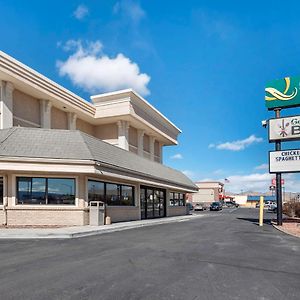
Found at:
[17, 69]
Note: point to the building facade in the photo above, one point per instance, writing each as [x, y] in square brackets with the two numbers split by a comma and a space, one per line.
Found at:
[58, 152]
[208, 192]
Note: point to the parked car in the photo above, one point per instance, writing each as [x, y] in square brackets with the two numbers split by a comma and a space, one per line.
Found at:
[215, 206]
[272, 207]
[199, 206]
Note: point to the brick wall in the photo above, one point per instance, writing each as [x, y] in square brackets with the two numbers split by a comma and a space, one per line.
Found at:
[45, 216]
[176, 211]
[125, 213]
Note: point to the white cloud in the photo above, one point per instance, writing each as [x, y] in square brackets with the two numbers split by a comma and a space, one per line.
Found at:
[80, 12]
[130, 10]
[237, 145]
[260, 182]
[89, 68]
[251, 182]
[177, 156]
[262, 167]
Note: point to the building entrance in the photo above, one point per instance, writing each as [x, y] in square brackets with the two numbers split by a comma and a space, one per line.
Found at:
[153, 202]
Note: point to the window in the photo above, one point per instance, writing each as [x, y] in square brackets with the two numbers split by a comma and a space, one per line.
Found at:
[31, 190]
[1, 190]
[39, 190]
[127, 197]
[96, 191]
[181, 199]
[113, 194]
[110, 193]
[61, 191]
[177, 199]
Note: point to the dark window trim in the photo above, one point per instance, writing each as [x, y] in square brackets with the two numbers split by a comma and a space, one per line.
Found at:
[119, 185]
[163, 200]
[178, 200]
[46, 190]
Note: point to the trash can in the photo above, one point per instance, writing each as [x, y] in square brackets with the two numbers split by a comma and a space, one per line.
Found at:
[97, 213]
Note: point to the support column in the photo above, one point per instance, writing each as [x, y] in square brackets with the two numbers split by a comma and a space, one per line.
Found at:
[160, 147]
[6, 104]
[45, 112]
[123, 135]
[72, 117]
[151, 147]
[140, 143]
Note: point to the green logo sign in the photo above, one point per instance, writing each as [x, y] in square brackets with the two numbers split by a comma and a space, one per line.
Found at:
[283, 93]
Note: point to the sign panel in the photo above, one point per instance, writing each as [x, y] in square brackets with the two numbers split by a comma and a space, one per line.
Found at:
[283, 93]
[284, 161]
[287, 129]
[273, 182]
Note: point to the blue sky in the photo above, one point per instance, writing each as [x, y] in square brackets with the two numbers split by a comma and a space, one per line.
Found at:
[203, 64]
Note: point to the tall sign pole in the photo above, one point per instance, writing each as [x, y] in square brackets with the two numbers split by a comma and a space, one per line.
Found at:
[282, 94]
[278, 178]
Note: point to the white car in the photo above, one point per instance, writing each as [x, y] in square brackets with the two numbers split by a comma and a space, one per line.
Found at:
[272, 207]
[199, 206]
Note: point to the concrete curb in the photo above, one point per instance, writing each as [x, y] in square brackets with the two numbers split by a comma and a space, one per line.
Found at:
[83, 231]
[286, 232]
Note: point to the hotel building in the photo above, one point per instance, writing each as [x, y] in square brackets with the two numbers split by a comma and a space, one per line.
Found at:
[58, 152]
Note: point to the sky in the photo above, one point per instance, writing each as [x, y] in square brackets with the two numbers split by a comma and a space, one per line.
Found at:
[203, 64]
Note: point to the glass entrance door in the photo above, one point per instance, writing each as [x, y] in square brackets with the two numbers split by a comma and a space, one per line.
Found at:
[150, 203]
[153, 202]
[143, 203]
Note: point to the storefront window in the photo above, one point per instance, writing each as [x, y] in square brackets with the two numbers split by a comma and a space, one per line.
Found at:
[39, 190]
[171, 197]
[127, 197]
[96, 191]
[177, 199]
[31, 190]
[110, 193]
[181, 199]
[61, 191]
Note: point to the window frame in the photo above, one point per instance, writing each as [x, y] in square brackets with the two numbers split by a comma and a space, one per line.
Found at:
[119, 185]
[177, 201]
[15, 189]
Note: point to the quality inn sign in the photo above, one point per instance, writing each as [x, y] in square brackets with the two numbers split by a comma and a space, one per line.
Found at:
[283, 93]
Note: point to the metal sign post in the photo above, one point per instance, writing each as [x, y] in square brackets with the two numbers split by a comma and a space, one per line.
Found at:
[278, 178]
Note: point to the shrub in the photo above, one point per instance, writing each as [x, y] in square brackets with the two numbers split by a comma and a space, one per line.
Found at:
[292, 209]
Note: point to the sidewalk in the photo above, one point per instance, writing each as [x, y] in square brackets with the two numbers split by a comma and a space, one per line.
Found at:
[81, 231]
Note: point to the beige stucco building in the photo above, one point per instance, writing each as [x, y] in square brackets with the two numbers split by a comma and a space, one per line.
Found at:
[208, 192]
[59, 151]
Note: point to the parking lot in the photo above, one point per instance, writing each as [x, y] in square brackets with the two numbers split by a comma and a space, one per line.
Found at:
[223, 255]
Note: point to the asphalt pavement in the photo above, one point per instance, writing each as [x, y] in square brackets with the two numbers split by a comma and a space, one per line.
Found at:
[223, 255]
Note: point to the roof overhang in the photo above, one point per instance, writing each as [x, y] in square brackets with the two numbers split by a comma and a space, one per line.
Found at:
[47, 165]
[132, 107]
